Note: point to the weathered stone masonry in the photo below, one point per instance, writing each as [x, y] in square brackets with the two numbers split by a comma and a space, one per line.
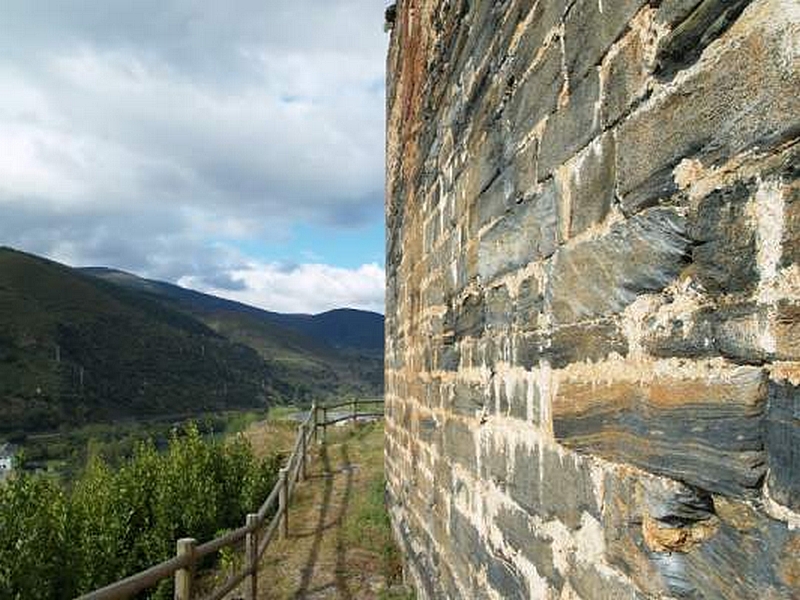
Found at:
[593, 305]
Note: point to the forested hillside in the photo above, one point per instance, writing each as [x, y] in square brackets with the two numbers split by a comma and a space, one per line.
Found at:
[336, 352]
[76, 348]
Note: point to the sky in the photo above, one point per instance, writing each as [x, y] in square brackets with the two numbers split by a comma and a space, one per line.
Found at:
[235, 147]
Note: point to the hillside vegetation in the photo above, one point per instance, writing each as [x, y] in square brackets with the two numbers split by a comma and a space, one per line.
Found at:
[58, 543]
[76, 347]
[329, 354]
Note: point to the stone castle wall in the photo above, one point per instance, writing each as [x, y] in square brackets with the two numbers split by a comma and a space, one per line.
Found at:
[593, 297]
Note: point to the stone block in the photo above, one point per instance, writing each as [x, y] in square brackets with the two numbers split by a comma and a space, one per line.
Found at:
[470, 316]
[585, 342]
[499, 309]
[525, 234]
[732, 563]
[510, 187]
[570, 343]
[601, 277]
[791, 228]
[469, 400]
[493, 201]
[671, 12]
[735, 331]
[739, 331]
[511, 396]
[701, 569]
[687, 335]
[494, 461]
[553, 485]
[706, 432]
[698, 27]
[518, 533]
[489, 160]
[568, 491]
[517, 399]
[786, 330]
[525, 478]
[591, 581]
[530, 348]
[624, 510]
[433, 294]
[676, 505]
[529, 304]
[546, 16]
[751, 102]
[431, 236]
[506, 580]
[536, 95]
[626, 76]
[572, 127]
[589, 30]
[459, 444]
[783, 443]
[724, 252]
[428, 431]
[525, 164]
[447, 356]
[587, 184]
[474, 554]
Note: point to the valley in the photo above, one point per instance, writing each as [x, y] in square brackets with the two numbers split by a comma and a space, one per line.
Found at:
[87, 346]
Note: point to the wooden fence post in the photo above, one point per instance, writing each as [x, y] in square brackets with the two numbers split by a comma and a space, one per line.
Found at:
[302, 470]
[283, 502]
[314, 420]
[183, 577]
[324, 424]
[251, 548]
[355, 411]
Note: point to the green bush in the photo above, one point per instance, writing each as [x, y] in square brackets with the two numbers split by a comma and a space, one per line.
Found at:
[112, 523]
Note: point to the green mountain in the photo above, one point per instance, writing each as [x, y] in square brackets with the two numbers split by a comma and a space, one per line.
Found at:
[76, 347]
[345, 329]
[333, 353]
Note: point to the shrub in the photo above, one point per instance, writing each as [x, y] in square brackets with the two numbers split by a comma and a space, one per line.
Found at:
[112, 523]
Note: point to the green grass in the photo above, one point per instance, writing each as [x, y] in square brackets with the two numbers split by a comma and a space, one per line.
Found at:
[367, 525]
[282, 413]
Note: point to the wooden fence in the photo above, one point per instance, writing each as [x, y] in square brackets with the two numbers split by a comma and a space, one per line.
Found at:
[257, 532]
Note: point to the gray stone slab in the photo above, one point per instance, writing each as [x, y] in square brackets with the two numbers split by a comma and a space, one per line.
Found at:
[601, 277]
[706, 433]
[525, 234]
[783, 443]
[752, 102]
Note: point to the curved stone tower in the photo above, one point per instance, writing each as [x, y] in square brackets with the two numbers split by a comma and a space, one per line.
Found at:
[593, 302]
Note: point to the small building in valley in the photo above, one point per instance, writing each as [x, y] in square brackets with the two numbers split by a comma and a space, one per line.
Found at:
[7, 452]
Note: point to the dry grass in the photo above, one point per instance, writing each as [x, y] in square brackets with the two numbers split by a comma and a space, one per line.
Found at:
[271, 436]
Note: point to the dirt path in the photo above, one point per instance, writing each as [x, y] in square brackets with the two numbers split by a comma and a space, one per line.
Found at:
[339, 543]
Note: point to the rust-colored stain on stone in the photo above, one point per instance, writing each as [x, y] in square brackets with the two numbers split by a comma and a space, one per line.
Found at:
[660, 538]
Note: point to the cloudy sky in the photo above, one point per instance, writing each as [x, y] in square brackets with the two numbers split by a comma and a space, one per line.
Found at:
[232, 146]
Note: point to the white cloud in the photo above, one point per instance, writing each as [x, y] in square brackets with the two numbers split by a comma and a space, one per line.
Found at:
[140, 135]
[307, 288]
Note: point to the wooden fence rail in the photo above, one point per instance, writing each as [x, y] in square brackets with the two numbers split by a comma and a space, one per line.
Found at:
[257, 532]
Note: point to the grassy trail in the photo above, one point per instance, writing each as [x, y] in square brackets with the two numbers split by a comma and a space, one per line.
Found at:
[340, 544]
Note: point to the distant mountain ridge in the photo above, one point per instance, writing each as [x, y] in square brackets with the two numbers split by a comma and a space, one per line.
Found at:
[80, 345]
[345, 328]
